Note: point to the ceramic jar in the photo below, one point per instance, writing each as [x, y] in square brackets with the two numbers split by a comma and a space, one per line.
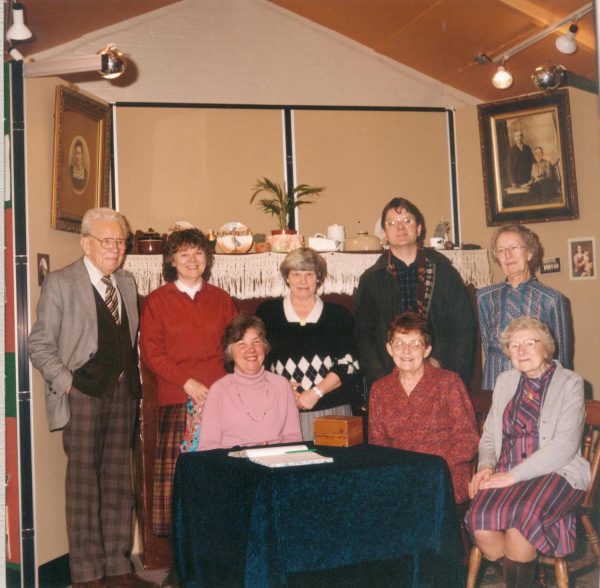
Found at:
[363, 242]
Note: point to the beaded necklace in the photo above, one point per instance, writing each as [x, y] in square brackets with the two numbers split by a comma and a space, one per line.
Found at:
[266, 402]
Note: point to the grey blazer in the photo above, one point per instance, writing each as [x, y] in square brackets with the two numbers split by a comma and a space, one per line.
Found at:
[560, 428]
[65, 335]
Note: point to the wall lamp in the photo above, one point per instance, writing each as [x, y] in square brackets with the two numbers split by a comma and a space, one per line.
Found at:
[109, 62]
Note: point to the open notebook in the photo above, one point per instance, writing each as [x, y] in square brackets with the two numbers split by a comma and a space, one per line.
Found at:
[281, 457]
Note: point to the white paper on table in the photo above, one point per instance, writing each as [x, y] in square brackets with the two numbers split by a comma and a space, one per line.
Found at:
[264, 451]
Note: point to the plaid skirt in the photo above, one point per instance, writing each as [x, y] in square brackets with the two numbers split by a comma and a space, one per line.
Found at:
[541, 509]
[171, 430]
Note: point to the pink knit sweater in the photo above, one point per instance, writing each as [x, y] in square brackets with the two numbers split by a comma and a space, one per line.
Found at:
[226, 421]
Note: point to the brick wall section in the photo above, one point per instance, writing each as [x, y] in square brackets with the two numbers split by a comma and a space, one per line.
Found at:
[250, 52]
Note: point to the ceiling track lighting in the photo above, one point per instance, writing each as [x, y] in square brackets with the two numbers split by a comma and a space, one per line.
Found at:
[18, 31]
[109, 62]
[566, 43]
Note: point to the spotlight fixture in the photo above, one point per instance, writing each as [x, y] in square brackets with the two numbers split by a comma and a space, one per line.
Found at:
[116, 63]
[18, 31]
[108, 62]
[566, 43]
[547, 78]
[502, 79]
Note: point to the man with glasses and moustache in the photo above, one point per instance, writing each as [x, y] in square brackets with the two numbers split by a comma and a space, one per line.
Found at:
[409, 277]
[83, 345]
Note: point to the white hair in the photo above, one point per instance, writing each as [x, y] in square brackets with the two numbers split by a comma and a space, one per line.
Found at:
[98, 214]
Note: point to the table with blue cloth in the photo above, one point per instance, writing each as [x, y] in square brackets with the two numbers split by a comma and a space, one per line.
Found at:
[375, 516]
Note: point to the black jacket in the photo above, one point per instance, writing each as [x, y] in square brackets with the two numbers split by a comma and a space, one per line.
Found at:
[450, 314]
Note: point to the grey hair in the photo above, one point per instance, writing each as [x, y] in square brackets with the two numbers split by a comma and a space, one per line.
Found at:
[304, 259]
[532, 243]
[102, 214]
[529, 322]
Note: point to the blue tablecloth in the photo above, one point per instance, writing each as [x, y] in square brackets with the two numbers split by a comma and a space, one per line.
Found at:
[372, 504]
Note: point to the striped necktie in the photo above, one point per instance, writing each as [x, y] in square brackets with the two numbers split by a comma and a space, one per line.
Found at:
[111, 298]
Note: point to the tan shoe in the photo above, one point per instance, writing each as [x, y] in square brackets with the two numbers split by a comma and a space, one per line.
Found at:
[130, 580]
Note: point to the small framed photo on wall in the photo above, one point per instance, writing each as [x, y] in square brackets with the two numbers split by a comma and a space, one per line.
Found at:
[582, 258]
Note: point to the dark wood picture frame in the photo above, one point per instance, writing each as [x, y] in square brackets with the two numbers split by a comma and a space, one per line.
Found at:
[531, 178]
[81, 169]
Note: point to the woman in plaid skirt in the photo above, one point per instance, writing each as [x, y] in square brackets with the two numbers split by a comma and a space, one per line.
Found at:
[531, 475]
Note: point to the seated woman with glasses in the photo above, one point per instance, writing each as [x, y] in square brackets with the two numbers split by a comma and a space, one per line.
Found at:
[423, 408]
[517, 250]
[531, 475]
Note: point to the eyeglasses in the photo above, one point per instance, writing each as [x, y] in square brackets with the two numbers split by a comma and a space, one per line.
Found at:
[412, 345]
[527, 345]
[405, 220]
[109, 242]
[500, 252]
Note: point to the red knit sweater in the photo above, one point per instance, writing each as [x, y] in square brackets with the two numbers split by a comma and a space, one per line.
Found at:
[437, 418]
[180, 338]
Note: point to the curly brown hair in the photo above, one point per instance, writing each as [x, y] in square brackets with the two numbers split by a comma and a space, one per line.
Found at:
[179, 240]
[410, 322]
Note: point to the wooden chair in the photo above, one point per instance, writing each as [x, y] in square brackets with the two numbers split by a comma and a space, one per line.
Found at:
[591, 552]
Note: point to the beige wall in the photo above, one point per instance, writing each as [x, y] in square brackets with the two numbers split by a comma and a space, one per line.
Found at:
[583, 295]
[49, 461]
[367, 158]
[199, 165]
[196, 165]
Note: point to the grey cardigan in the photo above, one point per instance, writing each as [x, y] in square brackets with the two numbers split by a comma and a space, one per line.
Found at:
[561, 428]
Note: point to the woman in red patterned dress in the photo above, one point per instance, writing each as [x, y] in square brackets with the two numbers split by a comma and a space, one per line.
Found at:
[423, 408]
[531, 475]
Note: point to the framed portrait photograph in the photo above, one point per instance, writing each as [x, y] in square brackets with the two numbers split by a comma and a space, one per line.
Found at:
[81, 158]
[582, 258]
[527, 158]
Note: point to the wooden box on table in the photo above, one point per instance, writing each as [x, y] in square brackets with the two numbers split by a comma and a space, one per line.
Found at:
[338, 431]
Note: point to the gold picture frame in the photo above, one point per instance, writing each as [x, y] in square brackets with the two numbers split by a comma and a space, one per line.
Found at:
[81, 174]
[528, 159]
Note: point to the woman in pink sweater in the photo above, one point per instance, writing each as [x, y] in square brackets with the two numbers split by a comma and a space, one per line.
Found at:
[250, 406]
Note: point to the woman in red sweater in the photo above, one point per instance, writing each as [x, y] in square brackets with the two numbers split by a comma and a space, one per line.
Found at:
[423, 408]
[180, 341]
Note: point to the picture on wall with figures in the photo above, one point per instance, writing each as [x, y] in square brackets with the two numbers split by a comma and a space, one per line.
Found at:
[528, 161]
[582, 256]
[81, 158]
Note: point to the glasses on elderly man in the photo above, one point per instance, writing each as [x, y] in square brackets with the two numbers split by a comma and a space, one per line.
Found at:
[405, 220]
[109, 242]
[412, 345]
[501, 252]
[527, 345]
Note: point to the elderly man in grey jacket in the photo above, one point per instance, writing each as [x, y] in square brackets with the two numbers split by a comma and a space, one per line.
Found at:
[83, 345]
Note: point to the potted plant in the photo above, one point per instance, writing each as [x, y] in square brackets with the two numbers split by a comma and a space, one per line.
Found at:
[260, 243]
[282, 205]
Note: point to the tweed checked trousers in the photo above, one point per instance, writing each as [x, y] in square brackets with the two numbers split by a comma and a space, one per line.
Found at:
[97, 440]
